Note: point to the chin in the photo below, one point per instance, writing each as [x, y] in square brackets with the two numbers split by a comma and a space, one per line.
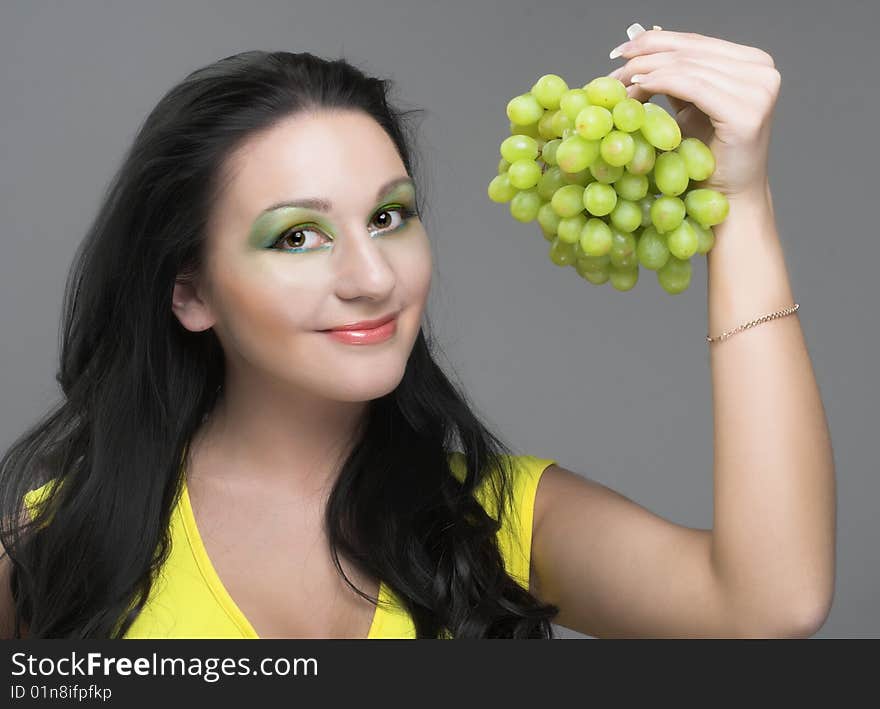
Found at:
[359, 372]
[370, 387]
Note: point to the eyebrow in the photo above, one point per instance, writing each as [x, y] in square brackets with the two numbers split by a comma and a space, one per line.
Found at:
[324, 205]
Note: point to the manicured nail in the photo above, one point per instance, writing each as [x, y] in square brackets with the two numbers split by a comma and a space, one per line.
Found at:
[634, 30]
[637, 78]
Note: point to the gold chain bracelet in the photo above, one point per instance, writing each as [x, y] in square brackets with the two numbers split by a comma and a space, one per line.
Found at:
[762, 319]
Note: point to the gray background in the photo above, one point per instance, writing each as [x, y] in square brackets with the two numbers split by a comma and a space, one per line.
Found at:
[613, 385]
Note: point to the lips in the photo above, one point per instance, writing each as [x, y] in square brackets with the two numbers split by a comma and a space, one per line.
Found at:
[365, 324]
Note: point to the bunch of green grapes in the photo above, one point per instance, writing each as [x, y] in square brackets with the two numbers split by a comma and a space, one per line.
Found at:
[608, 179]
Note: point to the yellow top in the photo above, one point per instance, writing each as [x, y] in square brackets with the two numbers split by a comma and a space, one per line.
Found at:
[188, 599]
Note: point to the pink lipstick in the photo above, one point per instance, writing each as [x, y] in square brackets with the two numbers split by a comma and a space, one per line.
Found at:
[365, 332]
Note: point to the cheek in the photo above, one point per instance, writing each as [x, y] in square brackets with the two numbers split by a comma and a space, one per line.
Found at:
[413, 264]
[262, 308]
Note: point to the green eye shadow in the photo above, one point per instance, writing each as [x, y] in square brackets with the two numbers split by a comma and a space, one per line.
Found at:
[271, 223]
[269, 226]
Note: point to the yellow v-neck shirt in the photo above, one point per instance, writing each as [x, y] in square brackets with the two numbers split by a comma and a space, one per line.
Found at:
[188, 599]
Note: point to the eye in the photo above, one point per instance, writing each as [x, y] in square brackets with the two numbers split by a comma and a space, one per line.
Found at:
[294, 239]
[386, 224]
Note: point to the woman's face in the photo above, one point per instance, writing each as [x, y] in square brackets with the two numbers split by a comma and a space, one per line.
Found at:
[275, 276]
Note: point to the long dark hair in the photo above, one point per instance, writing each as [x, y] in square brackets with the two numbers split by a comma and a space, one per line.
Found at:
[137, 385]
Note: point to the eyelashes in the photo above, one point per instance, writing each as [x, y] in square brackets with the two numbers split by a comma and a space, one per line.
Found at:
[407, 213]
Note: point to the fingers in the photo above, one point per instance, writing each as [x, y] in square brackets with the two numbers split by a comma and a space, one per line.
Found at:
[733, 75]
[656, 40]
[715, 93]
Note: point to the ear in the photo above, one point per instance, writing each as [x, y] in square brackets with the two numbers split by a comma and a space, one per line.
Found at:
[193, 312]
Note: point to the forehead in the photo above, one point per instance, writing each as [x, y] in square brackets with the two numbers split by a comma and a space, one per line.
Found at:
[341, 155]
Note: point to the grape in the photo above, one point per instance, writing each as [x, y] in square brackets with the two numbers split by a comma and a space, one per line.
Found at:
[667, 213]
[595, 238]
[599, 199]
[549, 89]
[645, 205]
[596, 277]
[608, 179]
[606, 91]
[644, 156]
[582, 178]
[593, 263]
[682, 241]
[623, 278]
[500, 189]
[524, 109]
[628, 115]
[632, 187]
[548, 218]
[546, 129]
[579, 267]
[576, 153]
[551, 181]
[568, 200]
[525, 204]
[561, 254]
[652, 251]
[705, 236]
[626, 215]
[698, 159]
[623, 249]
[519, 147]
[670, 173]
[570, 228]
[573, 102]
[707, 207]
[548, 152]
[524, 174]
[594, 122]
[603, 172]
[675, 275]
[659, 128]
[617, 148]
[530, 130]
[561, 123]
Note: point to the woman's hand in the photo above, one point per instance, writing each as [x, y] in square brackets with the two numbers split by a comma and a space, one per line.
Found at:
[722, 93]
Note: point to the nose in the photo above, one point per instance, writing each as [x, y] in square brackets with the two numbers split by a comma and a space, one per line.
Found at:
[363, 268]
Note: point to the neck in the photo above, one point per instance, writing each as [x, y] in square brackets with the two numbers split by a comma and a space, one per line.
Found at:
[261, 435]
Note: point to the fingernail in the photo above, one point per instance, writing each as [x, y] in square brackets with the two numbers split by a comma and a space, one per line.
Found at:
[657, 27]
[634, 30]
[637, 78]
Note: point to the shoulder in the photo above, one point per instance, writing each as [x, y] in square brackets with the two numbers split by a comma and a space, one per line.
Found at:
[517, 522]
[525, 473]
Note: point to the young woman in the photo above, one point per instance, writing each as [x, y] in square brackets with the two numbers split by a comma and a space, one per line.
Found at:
[228, 462]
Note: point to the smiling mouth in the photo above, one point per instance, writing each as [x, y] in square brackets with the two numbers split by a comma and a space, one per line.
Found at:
[363, 325]
[367, 336]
